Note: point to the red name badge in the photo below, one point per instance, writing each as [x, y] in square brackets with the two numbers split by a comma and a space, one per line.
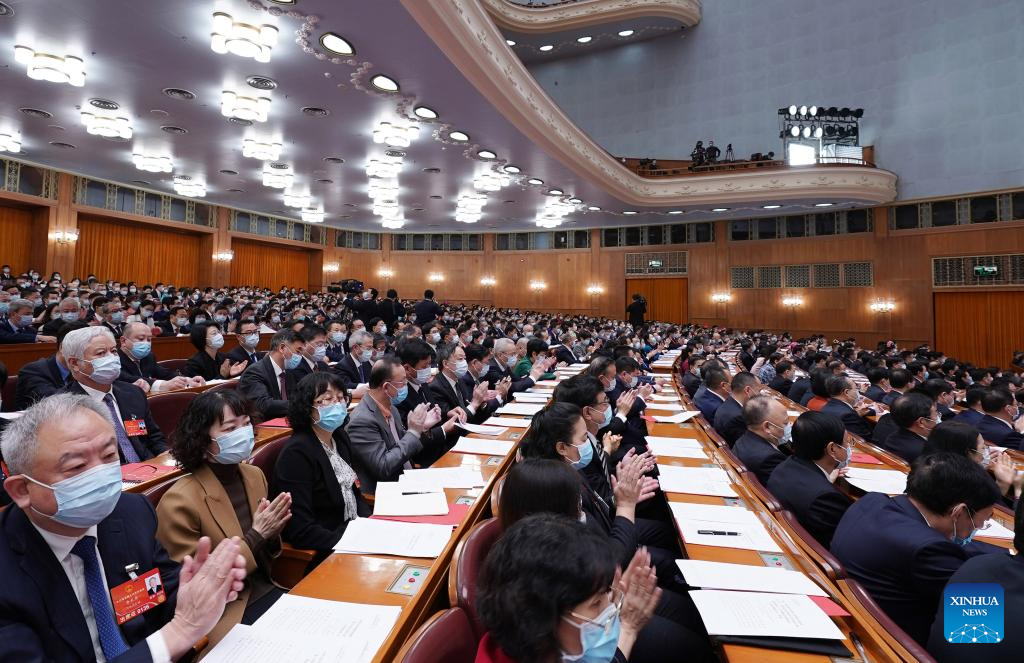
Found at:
[135, 427]
[135, 597]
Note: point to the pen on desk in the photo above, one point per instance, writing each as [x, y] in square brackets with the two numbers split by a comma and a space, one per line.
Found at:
[860, 647]
[717, 532]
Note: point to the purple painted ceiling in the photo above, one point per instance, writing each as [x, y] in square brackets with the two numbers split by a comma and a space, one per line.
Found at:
[135, 49]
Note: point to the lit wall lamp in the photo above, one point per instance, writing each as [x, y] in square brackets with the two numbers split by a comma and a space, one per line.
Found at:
[332, 267]
[721, 297]
[595, 289]
[792, 302]
[224, 256]
[538, 285]
[65, 236]
[488, 281]
[435, 277]
[385, 273]
[882, 306]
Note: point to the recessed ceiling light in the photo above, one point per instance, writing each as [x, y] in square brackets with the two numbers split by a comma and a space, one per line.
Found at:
[823, 205]
[170, 129]
[771, 206]
[432, 170]
[720, 209]
[237, 190]
[227, 171]
[239, 121]
[325, 181]
[676, 211]
[315, 111]
[535, 180]
[510, 42]
[555, 192]
[575, 201]
[594, 208]
[384, 83]
[334, 160]
[486, 154]
[458, 136]
[584, 40]
[512, 170]
[625, 33]
[546, 47]
[435, 197]
[425, 113]
[336, 44]
[179, 93]
[629, 212]
[243, 39]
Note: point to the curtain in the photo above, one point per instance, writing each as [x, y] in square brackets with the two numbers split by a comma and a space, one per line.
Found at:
[133, 252]
[269, 265]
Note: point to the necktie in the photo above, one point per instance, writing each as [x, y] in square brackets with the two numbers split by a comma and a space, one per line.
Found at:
[284, 390]
[252, 359]
[123, 443]
[111, 640]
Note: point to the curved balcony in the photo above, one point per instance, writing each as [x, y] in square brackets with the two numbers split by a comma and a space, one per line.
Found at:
[584, 13]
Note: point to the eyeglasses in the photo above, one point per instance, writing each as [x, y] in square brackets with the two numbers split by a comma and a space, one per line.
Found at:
[609, 616]
[328, 399]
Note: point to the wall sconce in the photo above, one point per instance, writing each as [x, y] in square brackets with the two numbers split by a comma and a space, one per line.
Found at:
[882, 306]
[721, 297]
[332, 267]
[595, 289]
[65, 236]
[224, 256]
[385, 273]
[435, 277]
[792, 302]
[537, 285]
[488, 281]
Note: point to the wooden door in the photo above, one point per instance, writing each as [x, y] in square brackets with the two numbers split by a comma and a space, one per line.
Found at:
[666, 298]
[981, 327]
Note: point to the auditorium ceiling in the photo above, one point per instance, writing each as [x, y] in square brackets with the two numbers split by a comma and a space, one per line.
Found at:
[156, 63]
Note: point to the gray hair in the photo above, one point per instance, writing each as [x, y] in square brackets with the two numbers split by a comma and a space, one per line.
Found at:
[71, 300]
[358, 337]
[132, 325]
[75, 341]
[756, 410]
[18, 442]
[20, 304]
[504, 345]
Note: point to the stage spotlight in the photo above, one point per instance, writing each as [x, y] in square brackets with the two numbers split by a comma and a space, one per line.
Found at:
[813, 110]
[817, 132]
[803, 110]
[807, 132]
[792, 110]
[794, 131]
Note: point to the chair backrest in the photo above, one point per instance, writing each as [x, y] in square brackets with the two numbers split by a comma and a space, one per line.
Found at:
[224, 386]
[762, 493]
[447, 637]
[265, 457]
[819, 553]
[173, 364]
[7, 394]
[496, 495]
[167, 409]
[465, 569]
[895, 637]
[154, 493]
[731, 457]
[715, 437]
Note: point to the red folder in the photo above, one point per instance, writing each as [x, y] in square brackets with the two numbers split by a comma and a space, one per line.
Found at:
[139, 472]
[456, 513]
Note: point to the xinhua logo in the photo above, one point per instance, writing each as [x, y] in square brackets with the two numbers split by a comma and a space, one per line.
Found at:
[973, 613]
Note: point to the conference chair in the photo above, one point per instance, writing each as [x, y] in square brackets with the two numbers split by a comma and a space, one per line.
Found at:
[154, 493]
[465, 569]
[173, 364]
[447, 637]
[821, 555]
[224, 386]
[167, 409]
[7, 394]
[730, 458]
[265, 457]
[756, 487]
[905, 647]
[496, 495]
[713, 434]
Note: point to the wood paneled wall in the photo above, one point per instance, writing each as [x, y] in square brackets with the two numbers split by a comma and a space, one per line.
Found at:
[142, 253]
[16, 239]
[667, 298]
[269, 265]
[982, 327]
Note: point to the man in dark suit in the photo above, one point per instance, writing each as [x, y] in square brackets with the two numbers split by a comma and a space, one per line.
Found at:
[17, 328]
[728, 420]
[248, 334]
[363, 306]
[110, 315]
[176, 323]
[60, 559]
[503, 358]
[804, 482]
[972, 412]
[564, 353]
[44, 377]
[758, 447]
[390, 309]
[878, 376]
[636, 311]
[314, 350]
[427, 310]
[903, 549]
[783, 380]
[915, 415]
[415, 356]
[998, 425]
[899, 378]
[268, 382]
[91, 355]
[354, 368]
[449, 391]
[691, 378]
[843, 403]
[140, 367]
[718, 386]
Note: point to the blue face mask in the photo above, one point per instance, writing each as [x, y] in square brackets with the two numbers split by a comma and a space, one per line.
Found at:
[337, 338]
[5, 307]
[292, 362]
[141, 349]
[599, 642]
[220, 319]
[87, 498]
[461, 368]
[235, 446]
[331, 416]
[366, 356]
[423, 375]
[106, 369]
[117, 317]
[69, 317]
[965, 540]
[400, 396]
[512, 361]
[217, 342]
[25, 320]
[319, 353]
[586, 455]
[607, 416]
[633, 381]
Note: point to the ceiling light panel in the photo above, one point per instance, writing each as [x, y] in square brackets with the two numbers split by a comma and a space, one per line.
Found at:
[108, 125]
[246, 40]
[469, 207]
[336, 45]
[153, 163]
[458, 136]
[386, 166]
[244, 107]
[380, 189]
[295, 199]
[425, 113]
[395, 133]
[10, 141]
[52, 68]
[313, 215]
[384, 83]
[490, 181]
[189, 189]
[264, 151]
[277, 178]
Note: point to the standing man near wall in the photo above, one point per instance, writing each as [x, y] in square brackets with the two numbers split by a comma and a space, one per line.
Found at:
[636, 311]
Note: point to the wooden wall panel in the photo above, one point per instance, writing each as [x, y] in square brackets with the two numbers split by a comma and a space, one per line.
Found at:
[141, 253]
[16, 228]
[269, 265]
[666, 298]
[981, 327]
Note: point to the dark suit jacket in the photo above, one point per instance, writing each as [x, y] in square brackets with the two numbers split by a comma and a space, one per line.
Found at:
[729, 421]
[566, 354]
[999, 433]
[147, 369]
[362, 309]
[708, 404]
[748, 360]
[260, 385]
[602, 518]
[691, 383]
[444, 394]
[496, 373]
[318, 507]
[781, 385]
[905, 444]
[891, 396]
[875, 393]
[36, 381]
[238, 355]
[800, 387]
[886, 545]
[10, 334]
[1004, 570]
[805, 491]
[40, 618]
[131, 402]
[116, 330]
[759, 455]
[853, 422]
[426, 310]
[167, 330]
[965, 416]
[202, 364]
[351, 374]
[304, 369]
[390, 310]
[435, 442]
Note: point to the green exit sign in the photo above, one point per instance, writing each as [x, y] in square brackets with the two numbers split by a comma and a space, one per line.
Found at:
[985, 270]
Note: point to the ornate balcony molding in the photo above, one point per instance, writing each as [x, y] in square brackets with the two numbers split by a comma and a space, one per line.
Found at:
[469, 37]
[584, 13]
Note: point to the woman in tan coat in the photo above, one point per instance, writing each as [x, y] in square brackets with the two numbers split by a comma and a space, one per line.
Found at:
[223, 497]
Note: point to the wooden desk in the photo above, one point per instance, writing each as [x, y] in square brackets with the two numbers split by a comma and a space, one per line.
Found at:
[193, 390]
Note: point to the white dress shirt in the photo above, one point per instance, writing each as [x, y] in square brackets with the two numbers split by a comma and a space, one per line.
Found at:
[98, 396]
[74, 568]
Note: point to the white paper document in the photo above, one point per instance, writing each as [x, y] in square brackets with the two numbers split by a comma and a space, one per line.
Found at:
[366, 536]
[433, 479]
[794, 413]
[993, 529]
[676, 418]
[483, 430]
[469, 445]
[508, 422]
[665, 397]
[760, 614]
[523, 409]
[539, 390]
[670, 407]
[389, 500]
[722, 527]
[695, 480]
[744, 577]
[892, 482]
[527, 397]
[675, 447]
[546, 383]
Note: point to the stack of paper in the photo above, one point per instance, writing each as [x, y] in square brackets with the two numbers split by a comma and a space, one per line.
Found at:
[993, 529]
[676, 418]
[368, 536]
[469, 445]
[744, 577]
[529, 397]
[434, 479]
[763, 615]
[665, 397]
[892, 482]
[675, 447]
[695, 480]
[662, 405]
[523, 409]
[483, 430]
[389, 500]
[722, 527]
[508, 422]
[540, 390]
